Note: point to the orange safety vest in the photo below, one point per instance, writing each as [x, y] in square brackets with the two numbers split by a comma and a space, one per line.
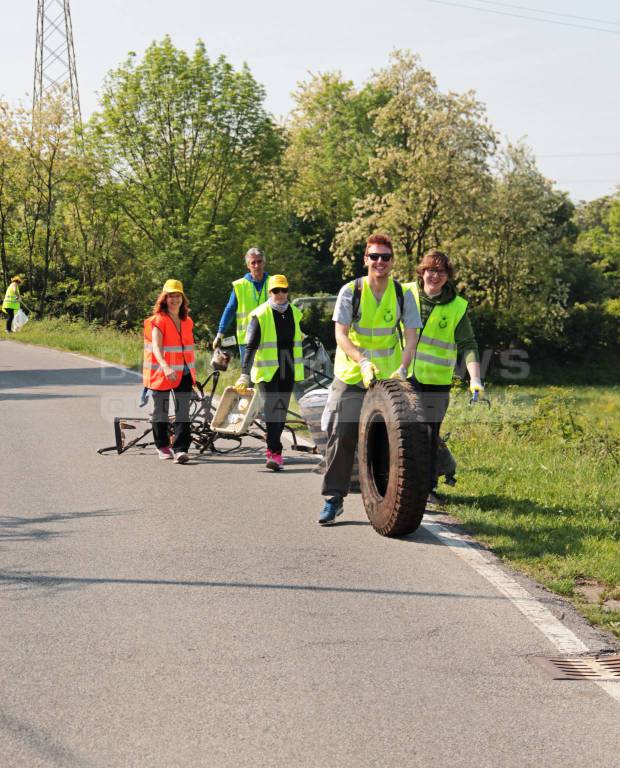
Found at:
[178, 350]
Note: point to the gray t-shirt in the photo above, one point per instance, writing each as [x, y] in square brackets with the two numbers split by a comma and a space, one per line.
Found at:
[343, 311]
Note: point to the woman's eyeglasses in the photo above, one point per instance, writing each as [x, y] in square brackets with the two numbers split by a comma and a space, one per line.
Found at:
[437, 272]
[382, 256]
[279, 290]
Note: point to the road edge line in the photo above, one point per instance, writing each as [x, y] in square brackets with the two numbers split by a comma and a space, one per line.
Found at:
[563, 638]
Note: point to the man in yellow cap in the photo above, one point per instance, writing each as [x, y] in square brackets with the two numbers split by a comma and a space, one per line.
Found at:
[12, 301]
[248, 292]
[274, 360]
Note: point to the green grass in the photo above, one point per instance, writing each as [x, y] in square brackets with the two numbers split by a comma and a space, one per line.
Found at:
[538, 482]
[538, 472]
[107, 343]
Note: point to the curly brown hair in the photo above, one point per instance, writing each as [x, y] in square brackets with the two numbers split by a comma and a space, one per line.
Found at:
[435, 260]
[161, 305]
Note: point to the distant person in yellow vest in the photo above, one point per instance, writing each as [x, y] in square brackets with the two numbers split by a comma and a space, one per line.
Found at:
[274, 360]
[248, 292]
[446, 333]
[368, 347]
[169, 367]
[12, 301]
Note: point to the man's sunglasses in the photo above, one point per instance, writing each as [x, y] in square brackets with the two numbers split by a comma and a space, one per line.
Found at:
[382, 256]
[279, 290]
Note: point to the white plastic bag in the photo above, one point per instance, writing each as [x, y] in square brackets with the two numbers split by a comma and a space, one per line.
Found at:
[19, 321]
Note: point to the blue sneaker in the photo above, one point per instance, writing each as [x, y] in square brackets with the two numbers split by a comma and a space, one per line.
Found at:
[331, 509]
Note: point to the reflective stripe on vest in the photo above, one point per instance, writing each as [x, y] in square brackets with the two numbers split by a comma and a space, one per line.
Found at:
[375, 332]
[177, 356]
[248, 299]
[436, 353]
[266, 361]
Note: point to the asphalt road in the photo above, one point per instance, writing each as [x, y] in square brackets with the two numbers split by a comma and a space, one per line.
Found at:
[161, 615]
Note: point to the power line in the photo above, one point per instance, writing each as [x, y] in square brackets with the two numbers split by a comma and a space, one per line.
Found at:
[583, 154]
[550, 13]
[588, 181]
[523, 16]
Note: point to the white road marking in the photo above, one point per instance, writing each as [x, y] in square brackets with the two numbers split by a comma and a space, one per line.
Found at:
[541, 617]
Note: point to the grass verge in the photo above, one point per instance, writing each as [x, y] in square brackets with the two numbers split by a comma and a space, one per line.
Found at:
[107, 343]
[538, 482]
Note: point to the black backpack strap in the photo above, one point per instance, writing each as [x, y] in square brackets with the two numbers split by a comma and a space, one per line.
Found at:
[356, 301]
[400, 298]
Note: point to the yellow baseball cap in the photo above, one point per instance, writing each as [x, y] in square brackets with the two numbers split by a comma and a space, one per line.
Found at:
[16, 279]
[173, 286]
[278, 281]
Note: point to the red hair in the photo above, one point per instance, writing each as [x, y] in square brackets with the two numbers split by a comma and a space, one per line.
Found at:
[161, 305]
[379, 239]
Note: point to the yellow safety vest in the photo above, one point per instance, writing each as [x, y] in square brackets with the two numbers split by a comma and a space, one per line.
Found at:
[248, 299]
[11, 297]
[436, 352]
[375, 332]
[266, 361]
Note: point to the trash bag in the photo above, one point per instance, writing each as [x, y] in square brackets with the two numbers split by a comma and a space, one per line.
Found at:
[19, 321]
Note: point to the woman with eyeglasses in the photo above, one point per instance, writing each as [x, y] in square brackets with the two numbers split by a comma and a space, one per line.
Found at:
[273, 360]
[446, 333]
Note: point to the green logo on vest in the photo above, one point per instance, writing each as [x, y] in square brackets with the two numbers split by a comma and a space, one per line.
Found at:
[388, 316]
[443, 323]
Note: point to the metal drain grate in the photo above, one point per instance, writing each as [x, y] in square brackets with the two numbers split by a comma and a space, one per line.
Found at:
[584, 668]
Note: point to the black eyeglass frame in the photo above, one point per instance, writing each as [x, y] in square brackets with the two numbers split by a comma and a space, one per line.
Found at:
[385, 257]
[279, 290]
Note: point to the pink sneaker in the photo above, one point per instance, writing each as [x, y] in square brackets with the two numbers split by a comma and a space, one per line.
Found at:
[274, 461]
[165, 453]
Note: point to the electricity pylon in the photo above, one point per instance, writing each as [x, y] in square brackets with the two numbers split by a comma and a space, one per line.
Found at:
[54, 62]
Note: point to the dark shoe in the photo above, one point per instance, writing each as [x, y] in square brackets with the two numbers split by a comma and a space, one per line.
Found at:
[435, 499]
[331, 510]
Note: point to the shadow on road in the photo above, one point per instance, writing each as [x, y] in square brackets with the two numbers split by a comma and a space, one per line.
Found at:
[41, 742]
[56, 583]
[66, 377]
[20, 528]
[30, 396]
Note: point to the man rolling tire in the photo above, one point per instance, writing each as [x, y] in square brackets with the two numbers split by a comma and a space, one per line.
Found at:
[368, 348]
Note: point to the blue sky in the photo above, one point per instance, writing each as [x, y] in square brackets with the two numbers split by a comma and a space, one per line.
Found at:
[554, 85]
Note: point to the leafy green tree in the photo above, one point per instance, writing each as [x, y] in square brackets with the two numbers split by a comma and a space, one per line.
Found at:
[188, 144]
[46, 142]
[428, 170]
[512, 260]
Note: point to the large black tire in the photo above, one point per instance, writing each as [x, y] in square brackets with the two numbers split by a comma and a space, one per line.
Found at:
[395, 458]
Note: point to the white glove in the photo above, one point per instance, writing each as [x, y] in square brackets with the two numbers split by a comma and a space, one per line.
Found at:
[369, 372]
[400, 373]
[242, 383]
[475, 385]
[217, 341]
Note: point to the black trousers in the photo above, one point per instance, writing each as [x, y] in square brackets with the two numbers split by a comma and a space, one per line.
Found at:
[434, 401]
[276, 398]
[161, 424]
[10, 314]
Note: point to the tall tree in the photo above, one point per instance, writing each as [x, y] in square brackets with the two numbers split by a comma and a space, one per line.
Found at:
[512, 257]
[188, 142]
[429, 168]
